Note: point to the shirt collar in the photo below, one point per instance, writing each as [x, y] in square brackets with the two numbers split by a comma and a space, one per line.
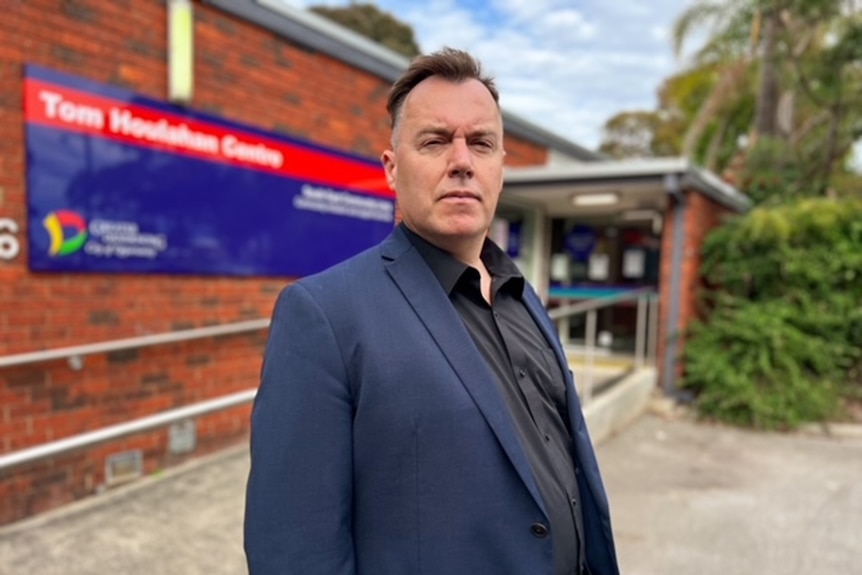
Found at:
[449, 270]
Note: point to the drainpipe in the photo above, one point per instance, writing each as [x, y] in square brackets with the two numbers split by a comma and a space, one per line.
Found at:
[672, 187]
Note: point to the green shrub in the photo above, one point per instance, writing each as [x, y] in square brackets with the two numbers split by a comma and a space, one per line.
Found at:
[781, 340]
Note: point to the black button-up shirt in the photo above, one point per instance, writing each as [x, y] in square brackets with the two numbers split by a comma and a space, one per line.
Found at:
[529, 378]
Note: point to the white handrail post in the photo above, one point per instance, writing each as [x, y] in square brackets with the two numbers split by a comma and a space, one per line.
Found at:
[590, 354]
[563, 330]
[640, 332]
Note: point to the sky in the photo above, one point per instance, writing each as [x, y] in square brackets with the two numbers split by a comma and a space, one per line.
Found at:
[564, 65]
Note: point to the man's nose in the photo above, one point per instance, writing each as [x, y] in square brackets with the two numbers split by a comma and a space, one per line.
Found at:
[461, 160]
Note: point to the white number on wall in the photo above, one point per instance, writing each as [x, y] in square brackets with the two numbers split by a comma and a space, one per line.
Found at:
[9, 246]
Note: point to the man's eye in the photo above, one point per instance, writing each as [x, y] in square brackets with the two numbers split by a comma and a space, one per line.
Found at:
[483, 145]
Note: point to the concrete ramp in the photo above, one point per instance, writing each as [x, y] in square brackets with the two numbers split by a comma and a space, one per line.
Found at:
[620, 404]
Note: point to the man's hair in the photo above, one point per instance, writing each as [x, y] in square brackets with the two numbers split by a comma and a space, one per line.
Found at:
[450, 64]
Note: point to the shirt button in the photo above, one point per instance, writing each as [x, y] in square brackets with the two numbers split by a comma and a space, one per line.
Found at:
[539, 530]
[522, 372]
[547, 437]
[574, 502]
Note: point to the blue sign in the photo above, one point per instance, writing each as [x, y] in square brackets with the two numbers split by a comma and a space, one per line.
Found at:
[120, 183]
[580, 242]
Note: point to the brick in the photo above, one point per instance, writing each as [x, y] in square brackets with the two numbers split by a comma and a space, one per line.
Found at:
[104, 317]
[80, 11]
[123, 356]
[26, 377]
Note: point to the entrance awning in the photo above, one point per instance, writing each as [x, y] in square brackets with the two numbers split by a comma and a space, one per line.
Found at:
[612, 187]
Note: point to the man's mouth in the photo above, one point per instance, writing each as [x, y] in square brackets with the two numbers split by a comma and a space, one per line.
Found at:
[461, 195]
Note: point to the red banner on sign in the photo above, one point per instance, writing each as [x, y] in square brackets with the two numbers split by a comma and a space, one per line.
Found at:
[81, 112]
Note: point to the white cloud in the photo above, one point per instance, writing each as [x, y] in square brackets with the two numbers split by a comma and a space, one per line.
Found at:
[660, 33]
[566, 23]
[565, 65]
[439, 23]
[526, 10]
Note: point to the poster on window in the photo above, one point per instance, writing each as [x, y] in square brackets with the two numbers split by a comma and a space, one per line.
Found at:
[633, 264]
[599, 267]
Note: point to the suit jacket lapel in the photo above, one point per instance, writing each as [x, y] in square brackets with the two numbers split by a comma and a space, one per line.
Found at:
[422, 290]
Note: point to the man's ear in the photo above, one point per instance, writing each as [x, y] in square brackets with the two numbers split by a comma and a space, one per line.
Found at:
[387, 158]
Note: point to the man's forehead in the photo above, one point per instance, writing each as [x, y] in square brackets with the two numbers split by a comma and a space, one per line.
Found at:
[429, 102]
[431, 87]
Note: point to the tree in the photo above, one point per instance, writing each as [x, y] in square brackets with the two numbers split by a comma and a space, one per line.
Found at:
[375, 24]
[660, 133]
[829, 78]
[781, 325]
[798, 62]
[745, 49]
[636, 134]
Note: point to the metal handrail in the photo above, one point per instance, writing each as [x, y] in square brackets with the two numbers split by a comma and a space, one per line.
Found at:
[598, 303]
[113, 432]
[79, 351]
[645, 335]
[118, 431]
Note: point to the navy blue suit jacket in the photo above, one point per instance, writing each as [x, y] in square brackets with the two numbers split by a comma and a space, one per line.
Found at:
[381, 444]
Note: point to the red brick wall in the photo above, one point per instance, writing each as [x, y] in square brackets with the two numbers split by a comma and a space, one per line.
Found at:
[702, 215]
[242, 73]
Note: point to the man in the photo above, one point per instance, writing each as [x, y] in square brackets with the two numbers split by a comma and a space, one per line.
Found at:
[416, 415]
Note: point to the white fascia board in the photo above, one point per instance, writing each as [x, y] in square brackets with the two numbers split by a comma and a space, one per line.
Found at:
[604, 169]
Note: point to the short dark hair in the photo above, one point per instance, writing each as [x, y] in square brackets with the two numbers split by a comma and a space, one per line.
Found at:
[450, 64]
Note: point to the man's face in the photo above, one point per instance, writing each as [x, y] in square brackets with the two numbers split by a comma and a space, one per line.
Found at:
[446, 165]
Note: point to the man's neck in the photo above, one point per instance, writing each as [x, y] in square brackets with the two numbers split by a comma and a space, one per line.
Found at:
[469, 253]
[466, 251]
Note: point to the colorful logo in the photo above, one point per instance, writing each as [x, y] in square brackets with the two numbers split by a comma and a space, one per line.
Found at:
[68, 231]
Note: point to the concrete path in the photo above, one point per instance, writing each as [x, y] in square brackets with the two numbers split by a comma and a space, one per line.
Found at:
[187, 521]
[691, 499]
[687, 499]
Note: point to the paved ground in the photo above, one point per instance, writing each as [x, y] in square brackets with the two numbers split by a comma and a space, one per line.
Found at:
[699, 500]
[687, 499]
[184, 522]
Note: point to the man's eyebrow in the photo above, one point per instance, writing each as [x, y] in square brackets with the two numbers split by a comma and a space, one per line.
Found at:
[435, 130]
[443, 131]
[482, 133]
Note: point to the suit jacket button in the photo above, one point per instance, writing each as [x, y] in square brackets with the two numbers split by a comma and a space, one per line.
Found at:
[539, 530]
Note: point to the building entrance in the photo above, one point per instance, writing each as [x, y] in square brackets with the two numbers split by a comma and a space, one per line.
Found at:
[599, 258]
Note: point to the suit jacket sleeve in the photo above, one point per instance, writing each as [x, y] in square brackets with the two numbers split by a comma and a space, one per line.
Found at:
[300, 488]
